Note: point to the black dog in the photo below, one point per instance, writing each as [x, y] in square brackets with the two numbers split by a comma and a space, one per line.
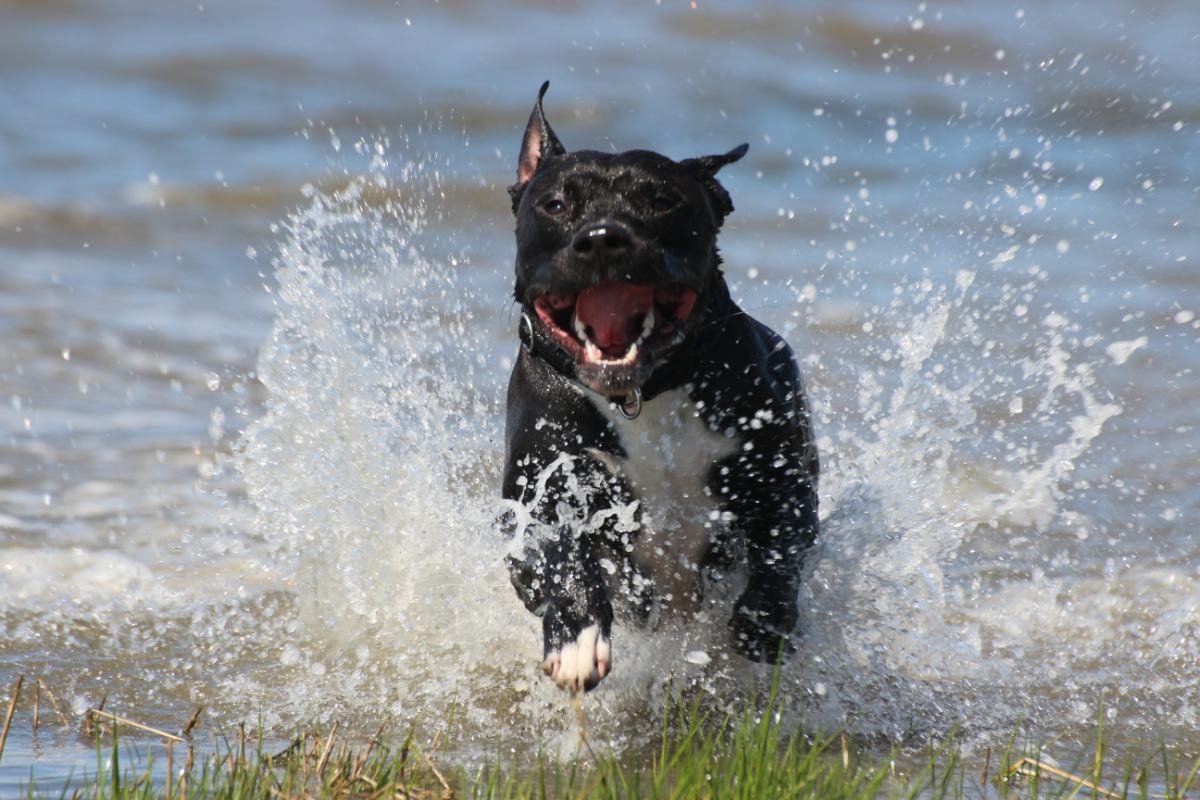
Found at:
[655, 431]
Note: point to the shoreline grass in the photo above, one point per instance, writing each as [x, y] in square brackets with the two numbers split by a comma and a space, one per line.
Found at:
[697, 756]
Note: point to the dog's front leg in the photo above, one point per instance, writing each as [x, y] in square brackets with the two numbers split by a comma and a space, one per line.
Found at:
[577, 616]
[777, 516]
[556, 570]
[556, 487]
[558, 576]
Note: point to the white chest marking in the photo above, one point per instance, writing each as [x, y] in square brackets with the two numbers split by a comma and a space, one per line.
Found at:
[670, 454]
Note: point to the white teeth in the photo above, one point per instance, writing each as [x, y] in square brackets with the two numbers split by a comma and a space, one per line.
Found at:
[596, 355]
[647, 324]
[629, 356]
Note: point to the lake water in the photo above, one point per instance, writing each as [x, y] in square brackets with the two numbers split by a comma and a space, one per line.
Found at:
[255, 270]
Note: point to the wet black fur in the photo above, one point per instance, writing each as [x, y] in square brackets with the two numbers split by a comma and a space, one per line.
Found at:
[734, 368]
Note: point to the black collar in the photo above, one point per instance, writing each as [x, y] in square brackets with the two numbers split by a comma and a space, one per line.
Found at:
[537, 342]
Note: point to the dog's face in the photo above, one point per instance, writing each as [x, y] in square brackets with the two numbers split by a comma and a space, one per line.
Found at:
[616, 253]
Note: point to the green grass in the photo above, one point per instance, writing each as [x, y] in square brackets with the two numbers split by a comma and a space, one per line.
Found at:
[697, 756]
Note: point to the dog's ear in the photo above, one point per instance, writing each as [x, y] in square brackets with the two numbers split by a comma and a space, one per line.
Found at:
[705, 168]
[538, 144]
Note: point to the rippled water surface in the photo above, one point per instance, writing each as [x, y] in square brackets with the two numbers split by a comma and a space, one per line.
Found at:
[255, 267]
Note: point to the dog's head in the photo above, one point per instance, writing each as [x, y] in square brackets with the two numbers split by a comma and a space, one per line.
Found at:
[616, 252]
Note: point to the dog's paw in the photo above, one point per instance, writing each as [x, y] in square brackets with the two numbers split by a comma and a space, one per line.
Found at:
[761, 627]
[580, 664]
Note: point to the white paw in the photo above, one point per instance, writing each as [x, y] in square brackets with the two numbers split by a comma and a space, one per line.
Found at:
[581, 664]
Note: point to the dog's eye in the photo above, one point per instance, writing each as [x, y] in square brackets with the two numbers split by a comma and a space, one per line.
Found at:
[662, 203]
[554, 206]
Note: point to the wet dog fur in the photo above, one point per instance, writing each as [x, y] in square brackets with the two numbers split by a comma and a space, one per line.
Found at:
[654, 429]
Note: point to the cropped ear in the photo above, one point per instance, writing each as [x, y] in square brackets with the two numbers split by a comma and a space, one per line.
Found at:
[705, 168]
[538, 144]
[708, 166]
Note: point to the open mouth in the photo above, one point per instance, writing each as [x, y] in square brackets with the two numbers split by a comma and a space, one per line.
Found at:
[612, 328]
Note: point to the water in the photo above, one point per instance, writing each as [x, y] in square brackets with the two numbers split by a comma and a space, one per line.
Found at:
[254, 293]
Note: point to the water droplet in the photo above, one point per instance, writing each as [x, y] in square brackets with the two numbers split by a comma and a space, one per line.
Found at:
[1120, 352]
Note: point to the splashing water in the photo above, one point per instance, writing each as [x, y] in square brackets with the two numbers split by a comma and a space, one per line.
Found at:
[374, 476]
[915, 502]
[372, 470]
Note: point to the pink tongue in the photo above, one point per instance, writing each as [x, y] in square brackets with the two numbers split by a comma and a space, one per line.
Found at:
[609, 310]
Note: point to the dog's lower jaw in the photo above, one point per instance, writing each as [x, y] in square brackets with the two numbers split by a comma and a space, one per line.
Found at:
[580, 665]
[614, 383]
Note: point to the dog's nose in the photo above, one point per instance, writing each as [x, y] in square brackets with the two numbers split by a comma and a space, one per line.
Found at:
[602, 239]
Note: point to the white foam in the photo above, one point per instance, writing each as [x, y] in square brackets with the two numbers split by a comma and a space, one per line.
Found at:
[1120, 352]
[40, 577]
